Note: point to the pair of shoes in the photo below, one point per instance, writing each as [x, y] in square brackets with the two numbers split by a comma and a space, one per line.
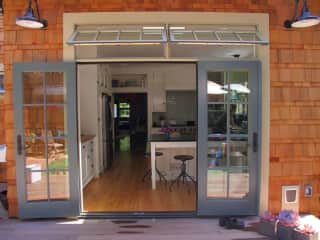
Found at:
[230, 223]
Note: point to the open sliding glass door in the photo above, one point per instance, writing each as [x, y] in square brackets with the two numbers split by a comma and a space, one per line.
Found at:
[228, 139]
[46, 140]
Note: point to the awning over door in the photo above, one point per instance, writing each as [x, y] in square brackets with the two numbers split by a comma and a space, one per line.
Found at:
[165, 41]
[117, 34]
[215, 34]
[188, 34]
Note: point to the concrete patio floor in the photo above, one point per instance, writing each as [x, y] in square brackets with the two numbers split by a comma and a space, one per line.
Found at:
[149, 229]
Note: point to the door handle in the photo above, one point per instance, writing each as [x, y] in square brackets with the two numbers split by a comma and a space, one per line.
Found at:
[255, 142]
[19, 144]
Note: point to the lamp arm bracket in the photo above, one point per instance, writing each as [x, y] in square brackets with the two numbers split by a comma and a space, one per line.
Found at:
[37, 7]
[295, 11]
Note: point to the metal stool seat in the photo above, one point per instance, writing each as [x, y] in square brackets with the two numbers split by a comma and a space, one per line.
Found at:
[183, 173]
[149, 172]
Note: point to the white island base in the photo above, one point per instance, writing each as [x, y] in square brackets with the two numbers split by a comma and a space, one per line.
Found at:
[167, 144]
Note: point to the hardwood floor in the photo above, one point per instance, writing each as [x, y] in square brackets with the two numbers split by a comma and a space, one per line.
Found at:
[122, 189]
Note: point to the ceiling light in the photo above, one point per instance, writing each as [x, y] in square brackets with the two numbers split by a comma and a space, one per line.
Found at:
[305, 20]
[29, 20]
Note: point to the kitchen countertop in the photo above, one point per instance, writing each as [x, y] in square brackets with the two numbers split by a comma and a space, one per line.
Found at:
[179, 138]
[85, 138]
[175, 126]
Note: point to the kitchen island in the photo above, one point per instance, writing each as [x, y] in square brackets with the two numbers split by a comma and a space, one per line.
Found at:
[161, 141]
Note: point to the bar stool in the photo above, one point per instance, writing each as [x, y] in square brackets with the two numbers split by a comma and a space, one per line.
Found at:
[149, 172]
[183, 173]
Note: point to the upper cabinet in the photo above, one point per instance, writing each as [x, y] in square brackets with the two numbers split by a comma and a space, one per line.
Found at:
[158, 92]
[181, 78]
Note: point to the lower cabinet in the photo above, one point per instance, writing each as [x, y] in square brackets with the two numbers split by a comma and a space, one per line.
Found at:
[87, 161]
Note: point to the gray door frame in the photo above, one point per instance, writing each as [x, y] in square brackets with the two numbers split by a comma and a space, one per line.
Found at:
[47, 209]
[223, 206]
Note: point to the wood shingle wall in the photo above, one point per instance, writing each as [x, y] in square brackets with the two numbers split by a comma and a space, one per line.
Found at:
[295, 79]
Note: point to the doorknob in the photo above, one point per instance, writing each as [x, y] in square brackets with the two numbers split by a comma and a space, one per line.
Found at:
[19, 144]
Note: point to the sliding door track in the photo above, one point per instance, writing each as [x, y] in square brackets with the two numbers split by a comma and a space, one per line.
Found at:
[138, 215]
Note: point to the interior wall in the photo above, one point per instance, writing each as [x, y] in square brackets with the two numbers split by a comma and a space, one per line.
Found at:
[294, 69]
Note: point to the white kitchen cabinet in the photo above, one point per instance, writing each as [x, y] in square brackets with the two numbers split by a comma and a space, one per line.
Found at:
[87, 161]
[158, 93]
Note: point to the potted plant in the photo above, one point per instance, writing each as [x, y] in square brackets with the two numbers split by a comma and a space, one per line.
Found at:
[305, 231]
[267, 224]
[288, 220]
[167, 131]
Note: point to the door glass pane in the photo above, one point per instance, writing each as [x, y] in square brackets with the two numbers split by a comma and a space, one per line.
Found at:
[56, 121]
[239, 118]
[239, 183]
[228, 175]
[37, 187]
[239, 86]
[33, 121]
[57, 154]
[59, 185]
[35, 154]
[217, 119]
[55, 87]
[217, 183]
[217, 153]
[239, 151]
[216, 87]
[32, 87]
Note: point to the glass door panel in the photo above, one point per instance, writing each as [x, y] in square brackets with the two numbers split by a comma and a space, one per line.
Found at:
[47, 162]
[226, 91]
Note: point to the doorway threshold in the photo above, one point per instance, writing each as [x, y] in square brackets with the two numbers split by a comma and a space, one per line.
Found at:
[138, 215]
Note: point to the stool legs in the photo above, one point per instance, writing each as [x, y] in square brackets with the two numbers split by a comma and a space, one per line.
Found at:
[183, 175]
[148, 175]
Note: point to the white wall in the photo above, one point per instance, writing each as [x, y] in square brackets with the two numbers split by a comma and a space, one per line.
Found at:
[88, 106]
[88, 94]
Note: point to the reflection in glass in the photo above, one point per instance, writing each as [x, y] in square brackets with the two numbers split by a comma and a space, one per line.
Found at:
[32, 87]
[56, 121]
[33, 121]
[215, 87]
[238, 85]
[59, 185]
[37, 189]
[35, 153]
[228, 95]
[239, 118]
[217, 118]
[57, 154]
[239, 152]
[217, 154]
[55, 87]
[217, 183]
[239, 184]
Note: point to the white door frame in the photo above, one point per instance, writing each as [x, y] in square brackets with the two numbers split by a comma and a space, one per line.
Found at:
[261, 20]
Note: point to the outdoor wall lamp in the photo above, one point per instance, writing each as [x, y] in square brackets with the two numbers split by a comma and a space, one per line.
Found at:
[29, 20]
[305, 20]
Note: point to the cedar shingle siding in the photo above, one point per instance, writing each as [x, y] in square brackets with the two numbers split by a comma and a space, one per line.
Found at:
[294, 77]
